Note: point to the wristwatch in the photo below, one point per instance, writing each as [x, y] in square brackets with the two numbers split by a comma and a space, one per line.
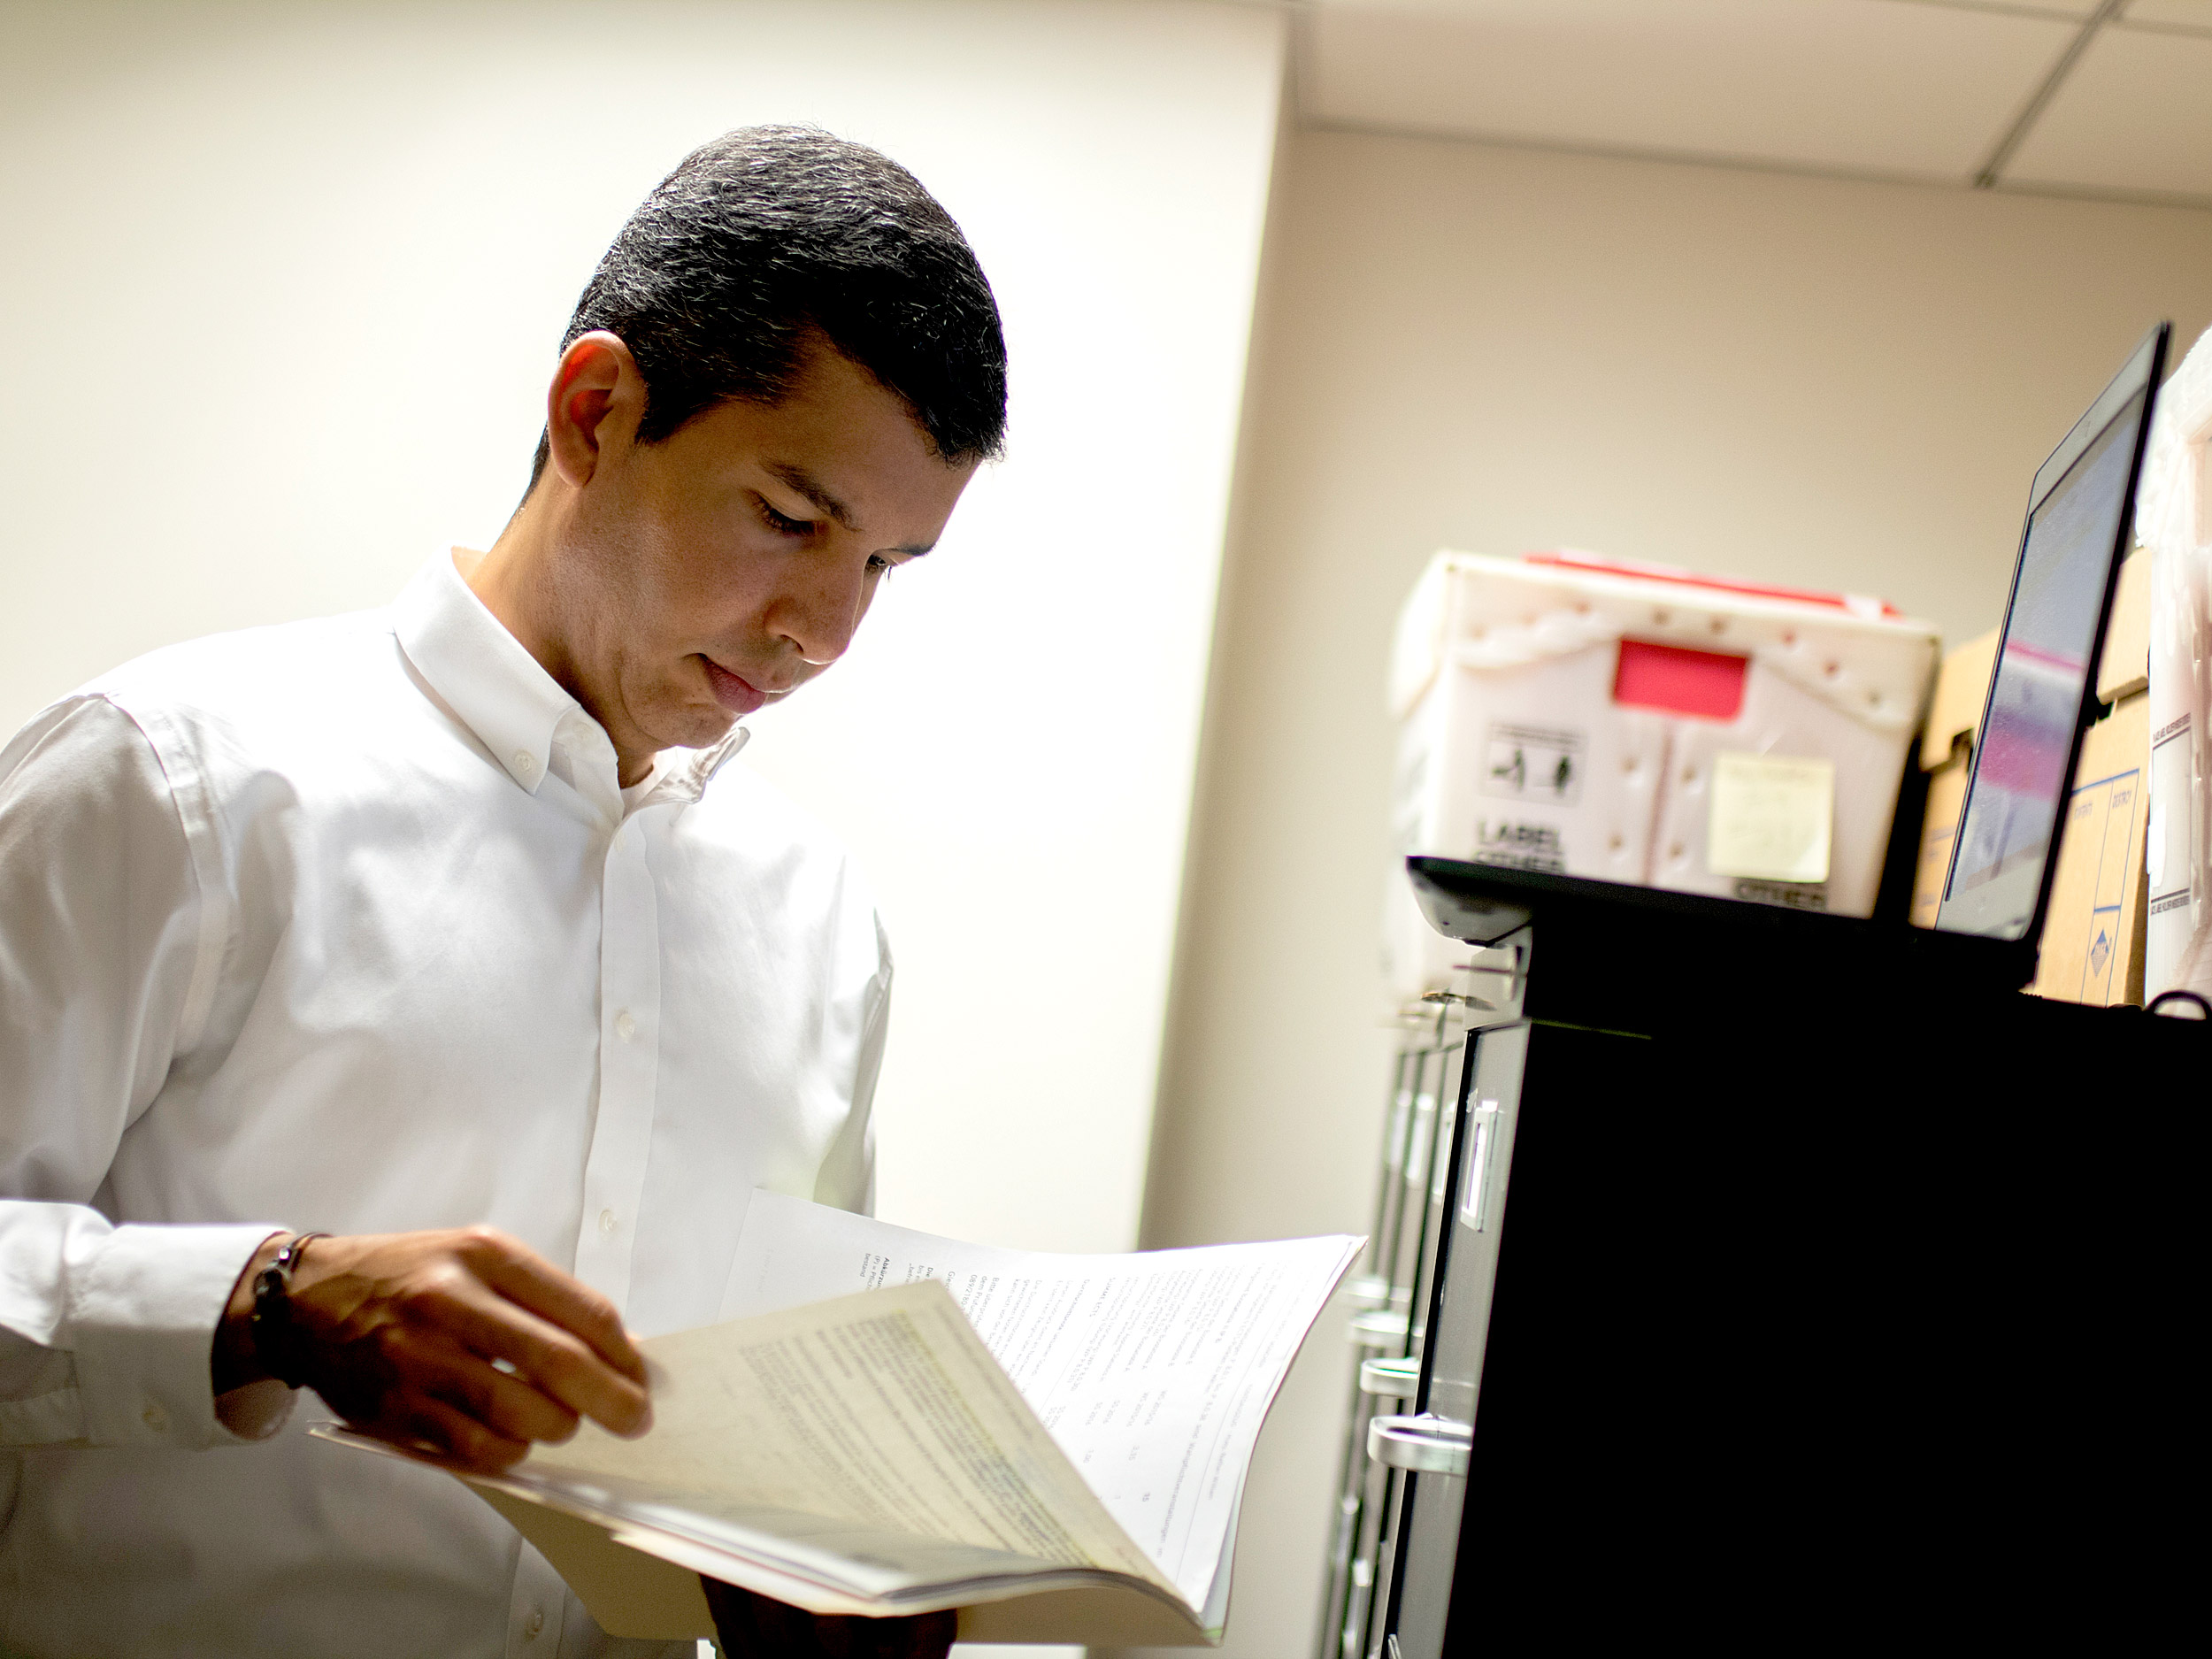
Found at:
[276, 1340]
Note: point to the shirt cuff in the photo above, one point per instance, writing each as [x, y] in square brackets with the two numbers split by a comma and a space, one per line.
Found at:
[142, 1313]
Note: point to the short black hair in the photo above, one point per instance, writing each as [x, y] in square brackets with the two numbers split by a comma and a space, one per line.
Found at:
[772, 238]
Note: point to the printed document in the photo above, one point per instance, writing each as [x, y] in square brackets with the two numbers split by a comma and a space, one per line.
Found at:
[889, 1422]
[1153, 1370]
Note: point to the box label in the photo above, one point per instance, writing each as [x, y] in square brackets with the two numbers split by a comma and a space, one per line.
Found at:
[1531, 762]
[1520, 846]
[1772, 817]
[1790, 895]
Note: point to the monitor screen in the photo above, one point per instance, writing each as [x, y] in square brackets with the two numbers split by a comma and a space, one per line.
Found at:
[2036, 696]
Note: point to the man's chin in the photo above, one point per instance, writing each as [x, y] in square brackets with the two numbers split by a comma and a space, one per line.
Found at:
[693, 727]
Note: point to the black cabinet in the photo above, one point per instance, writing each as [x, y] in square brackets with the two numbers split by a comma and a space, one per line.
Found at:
[1782, 1298]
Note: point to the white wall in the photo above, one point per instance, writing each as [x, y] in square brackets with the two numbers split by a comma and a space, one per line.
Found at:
[1841, 385]
[284, 285]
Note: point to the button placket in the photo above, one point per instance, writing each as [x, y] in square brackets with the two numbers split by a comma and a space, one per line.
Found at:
[591, 761]
[629, 1001]
[537, 1608]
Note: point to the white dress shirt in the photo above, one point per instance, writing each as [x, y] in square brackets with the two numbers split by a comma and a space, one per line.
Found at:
[347, 925]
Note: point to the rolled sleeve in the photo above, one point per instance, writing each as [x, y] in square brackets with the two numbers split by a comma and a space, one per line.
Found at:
[117, 1352]
[144, 1306]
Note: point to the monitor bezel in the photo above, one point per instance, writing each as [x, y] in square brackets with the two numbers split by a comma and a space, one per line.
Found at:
[2141, 374]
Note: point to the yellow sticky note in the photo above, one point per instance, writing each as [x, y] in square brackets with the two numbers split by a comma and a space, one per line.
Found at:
[1772, 819]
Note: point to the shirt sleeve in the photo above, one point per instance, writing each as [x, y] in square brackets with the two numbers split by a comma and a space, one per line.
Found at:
[109, 946]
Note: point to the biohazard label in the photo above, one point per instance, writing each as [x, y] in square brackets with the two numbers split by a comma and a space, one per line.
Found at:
[2100, 947]
[1531, 762]
[1519, 846]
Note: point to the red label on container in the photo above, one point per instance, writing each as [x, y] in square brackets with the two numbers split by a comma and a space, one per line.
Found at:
[1707, 684]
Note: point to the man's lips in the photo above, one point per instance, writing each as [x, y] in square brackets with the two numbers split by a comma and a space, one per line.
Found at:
[739, 697]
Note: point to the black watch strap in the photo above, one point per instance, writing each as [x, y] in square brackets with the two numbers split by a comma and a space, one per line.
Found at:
[276, 1339]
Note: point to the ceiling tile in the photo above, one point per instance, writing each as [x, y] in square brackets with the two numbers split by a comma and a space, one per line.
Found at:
[2078, 8]
[2174, 13]
[1855, 85]
[2135, 114]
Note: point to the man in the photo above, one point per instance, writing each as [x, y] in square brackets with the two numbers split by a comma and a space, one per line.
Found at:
[405, 1005]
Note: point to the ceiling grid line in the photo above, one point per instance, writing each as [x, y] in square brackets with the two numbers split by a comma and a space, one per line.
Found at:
[2180, 31]
[2003, 9]
[2094, 100]
[2039, 100]
[2056, 14]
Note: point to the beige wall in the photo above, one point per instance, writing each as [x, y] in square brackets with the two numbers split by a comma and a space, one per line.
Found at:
[1841, 385]
[285, 283]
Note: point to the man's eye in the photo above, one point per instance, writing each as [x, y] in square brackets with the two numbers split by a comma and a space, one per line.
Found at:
[879, 566]
[781, 525]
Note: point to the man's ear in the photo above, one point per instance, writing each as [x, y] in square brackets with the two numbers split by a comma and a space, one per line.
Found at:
[597, 397]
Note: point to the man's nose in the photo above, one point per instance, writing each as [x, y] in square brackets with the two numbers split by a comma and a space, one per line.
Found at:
[821, 610]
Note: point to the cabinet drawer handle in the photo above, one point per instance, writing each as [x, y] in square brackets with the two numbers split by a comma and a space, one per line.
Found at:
[1427, 1445]
[1378, 1327]
[1369, 1290]
[1393, 1378]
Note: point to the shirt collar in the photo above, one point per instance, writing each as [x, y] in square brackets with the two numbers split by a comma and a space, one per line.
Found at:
[504, 696]
[688, 780]
[485, 676]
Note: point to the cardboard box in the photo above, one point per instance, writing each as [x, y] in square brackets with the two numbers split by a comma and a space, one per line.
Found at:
[1643, 725]
[2093, 945]
[1946, 752]
[2124, 668]
[2092, 935]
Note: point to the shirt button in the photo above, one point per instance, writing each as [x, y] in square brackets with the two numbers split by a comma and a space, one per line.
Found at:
[526, 763]
[154, 1417]
[533, 1626]
[624, 1028]
[607, 1224]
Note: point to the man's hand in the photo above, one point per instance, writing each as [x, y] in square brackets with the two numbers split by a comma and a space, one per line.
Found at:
[754, 1627]
[467, 1342]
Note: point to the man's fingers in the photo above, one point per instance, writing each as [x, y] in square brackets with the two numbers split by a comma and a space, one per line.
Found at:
[524, 1277]
[509, 1405]
[402, 1312]
[413, 1419]
[556, 1361]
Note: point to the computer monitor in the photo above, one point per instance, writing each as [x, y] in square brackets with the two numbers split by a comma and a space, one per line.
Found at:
[2080, 510]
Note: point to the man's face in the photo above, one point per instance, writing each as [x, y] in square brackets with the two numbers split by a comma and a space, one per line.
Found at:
[721, 569]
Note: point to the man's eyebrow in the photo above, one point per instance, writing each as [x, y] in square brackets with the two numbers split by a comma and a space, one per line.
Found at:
[813, 489]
